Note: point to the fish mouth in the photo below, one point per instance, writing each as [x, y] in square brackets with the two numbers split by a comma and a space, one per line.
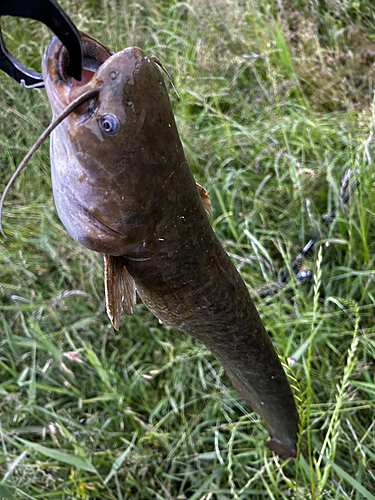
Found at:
[94, 55]
[88, 227]
[96, 220]
[59, 85]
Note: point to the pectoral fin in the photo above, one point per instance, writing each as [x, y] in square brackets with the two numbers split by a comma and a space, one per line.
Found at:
[120, 292]
[205, 198]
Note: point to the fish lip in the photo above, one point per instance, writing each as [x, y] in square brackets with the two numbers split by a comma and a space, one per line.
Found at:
[94, 218]
[58, 84]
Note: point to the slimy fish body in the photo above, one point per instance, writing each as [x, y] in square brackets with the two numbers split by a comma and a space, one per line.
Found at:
[122, 187]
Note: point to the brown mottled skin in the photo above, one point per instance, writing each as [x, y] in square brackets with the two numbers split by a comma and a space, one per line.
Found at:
[133, 195]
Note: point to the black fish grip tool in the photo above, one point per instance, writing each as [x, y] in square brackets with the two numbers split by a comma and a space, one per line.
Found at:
[51, 14]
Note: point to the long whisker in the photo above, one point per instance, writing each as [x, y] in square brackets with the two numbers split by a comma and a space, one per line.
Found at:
[161, 65]
[71, 107]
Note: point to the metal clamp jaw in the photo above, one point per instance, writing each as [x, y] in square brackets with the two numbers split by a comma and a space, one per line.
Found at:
[51, 14]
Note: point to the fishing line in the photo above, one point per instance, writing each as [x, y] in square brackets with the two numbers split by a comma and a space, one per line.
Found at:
[71, 107]
[271, 288]
[295, 262]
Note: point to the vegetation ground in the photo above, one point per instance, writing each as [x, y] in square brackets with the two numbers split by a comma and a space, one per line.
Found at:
[277, 119]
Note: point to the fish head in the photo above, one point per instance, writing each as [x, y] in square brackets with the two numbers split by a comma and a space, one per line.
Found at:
[114, 158]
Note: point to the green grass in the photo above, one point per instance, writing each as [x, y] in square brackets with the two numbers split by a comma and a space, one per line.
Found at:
[276, 107]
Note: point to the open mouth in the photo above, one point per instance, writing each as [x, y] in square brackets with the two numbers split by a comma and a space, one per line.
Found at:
[94, 55]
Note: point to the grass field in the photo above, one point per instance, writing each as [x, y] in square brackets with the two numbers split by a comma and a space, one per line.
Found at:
[276, 116]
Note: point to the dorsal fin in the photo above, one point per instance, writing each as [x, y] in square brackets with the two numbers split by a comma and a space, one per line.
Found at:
[205, 198]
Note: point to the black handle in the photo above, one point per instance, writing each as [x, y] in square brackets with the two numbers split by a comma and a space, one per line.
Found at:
[51, 14]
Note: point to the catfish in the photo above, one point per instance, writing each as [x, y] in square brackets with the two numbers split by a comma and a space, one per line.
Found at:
[122, 187]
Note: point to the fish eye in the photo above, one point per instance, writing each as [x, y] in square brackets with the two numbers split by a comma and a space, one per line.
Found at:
[109, 124]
